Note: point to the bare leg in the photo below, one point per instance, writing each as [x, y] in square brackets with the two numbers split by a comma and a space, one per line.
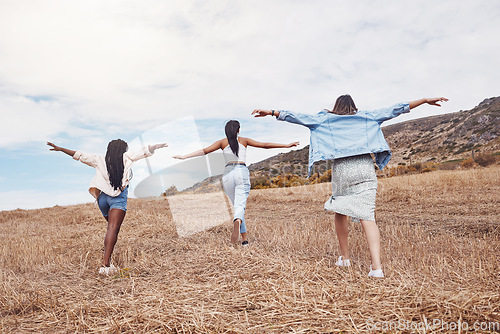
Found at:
[244, 236]
[373, 238]
[342, 229]
[115, 220]
[236, 230]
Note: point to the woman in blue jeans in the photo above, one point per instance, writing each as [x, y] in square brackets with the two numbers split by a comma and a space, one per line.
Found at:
[236, 178]
[348, 137]
[110, 186]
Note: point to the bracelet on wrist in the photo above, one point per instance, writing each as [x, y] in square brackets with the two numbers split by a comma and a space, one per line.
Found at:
[272, 112]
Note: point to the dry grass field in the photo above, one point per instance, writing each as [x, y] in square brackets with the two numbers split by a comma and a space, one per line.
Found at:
[440, 242]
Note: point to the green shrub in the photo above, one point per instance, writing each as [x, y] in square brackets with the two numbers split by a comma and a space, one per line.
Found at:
[468, 163]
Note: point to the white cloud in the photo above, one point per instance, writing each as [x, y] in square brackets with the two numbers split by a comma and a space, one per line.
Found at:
[130, 62]
[25, 120]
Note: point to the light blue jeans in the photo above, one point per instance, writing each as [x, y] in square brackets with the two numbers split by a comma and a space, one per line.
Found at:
[236, 182]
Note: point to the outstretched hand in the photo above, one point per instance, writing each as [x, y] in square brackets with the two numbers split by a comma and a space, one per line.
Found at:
[60, 149]
[54, 146]
[154, 147]
[434, 101]
[295, 143]
[261, 113]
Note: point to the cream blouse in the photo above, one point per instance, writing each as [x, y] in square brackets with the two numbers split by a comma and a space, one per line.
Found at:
[101, 182]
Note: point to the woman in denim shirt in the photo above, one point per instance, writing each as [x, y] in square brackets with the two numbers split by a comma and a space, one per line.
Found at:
[348, 137]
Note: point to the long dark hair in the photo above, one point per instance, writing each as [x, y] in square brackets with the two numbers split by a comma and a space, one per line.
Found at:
[114, 162]
[344, 106]
[232, 128]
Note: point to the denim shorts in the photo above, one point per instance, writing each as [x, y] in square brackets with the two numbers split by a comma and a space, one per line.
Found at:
[107, 202]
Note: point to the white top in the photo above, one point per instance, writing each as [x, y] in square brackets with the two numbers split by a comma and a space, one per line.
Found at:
[229, 156]
[101, 182]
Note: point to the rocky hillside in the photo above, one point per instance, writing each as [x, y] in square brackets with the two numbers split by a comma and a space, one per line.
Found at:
[210, 184]
[447, 137]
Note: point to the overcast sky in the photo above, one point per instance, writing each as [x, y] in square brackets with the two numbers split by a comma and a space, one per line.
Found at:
[80, 73]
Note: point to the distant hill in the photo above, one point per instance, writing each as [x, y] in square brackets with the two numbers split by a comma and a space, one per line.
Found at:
[447, 137]
[430, 139]
[210, 184]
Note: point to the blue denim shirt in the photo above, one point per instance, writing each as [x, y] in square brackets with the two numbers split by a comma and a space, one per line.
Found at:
[338, 136]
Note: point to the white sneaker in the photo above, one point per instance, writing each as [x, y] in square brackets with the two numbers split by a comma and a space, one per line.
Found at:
[108, 270]
[376, 273]
[343, 263]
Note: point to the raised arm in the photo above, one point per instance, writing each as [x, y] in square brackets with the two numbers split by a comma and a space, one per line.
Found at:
[433, 101]
[61, 149]
[310, 121]
[384, 114]
[145, 152]
[262, 113]
[255, 143]
[153, 148]
[88, 159]
[209, 149]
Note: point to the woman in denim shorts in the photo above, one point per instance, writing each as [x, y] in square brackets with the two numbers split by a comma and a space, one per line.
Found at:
[110, 186]
[236, 178]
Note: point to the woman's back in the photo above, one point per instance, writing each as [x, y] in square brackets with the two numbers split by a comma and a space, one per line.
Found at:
[337, 136]
[229, 155]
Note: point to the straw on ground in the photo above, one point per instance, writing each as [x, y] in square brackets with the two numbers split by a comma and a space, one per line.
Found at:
[440, 241]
